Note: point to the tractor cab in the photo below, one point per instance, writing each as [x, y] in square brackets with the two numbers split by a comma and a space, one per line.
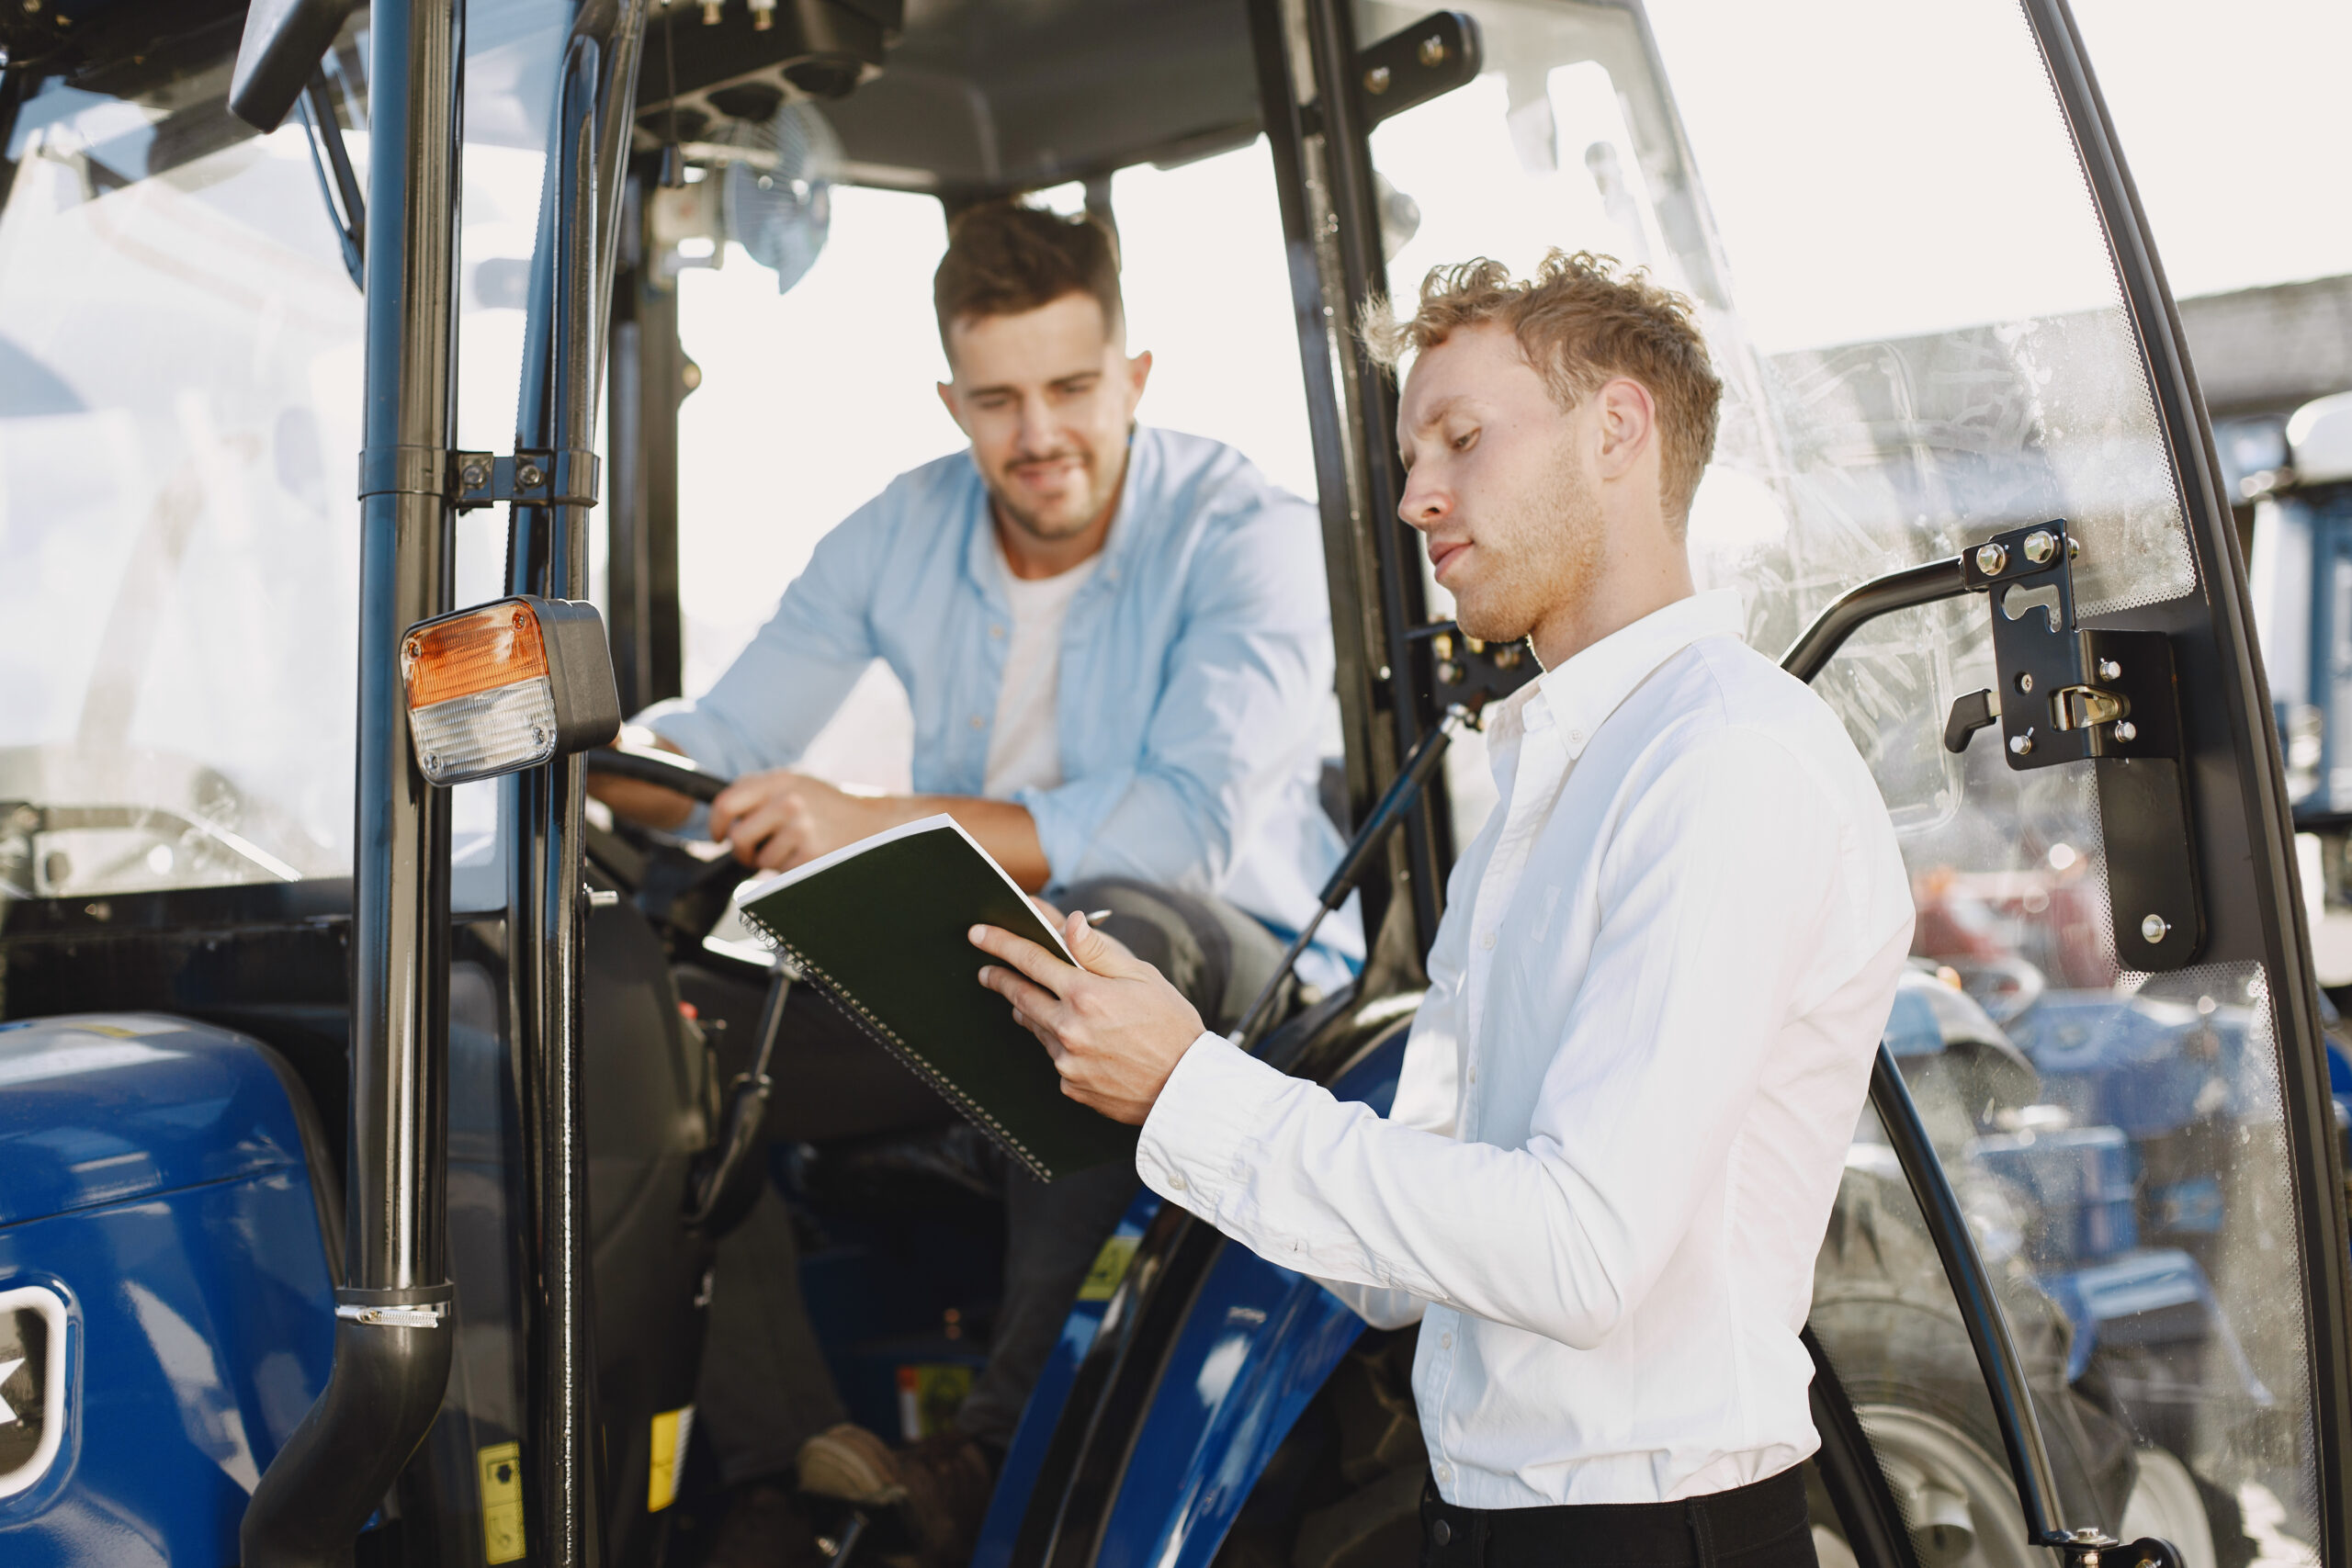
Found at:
[372, 1106]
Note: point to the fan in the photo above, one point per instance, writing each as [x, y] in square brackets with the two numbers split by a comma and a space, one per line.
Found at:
[775, 196]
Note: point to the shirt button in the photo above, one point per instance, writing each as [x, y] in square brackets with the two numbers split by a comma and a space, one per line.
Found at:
[1445, 1473]
[1576, 737]
[1445, 1341]
[1488, 942]
[1176, 1180]
[1474, 1075]
[979, 722]
[996, 631]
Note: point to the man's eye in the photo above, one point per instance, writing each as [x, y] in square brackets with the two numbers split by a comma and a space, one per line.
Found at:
[1076, 388]
[1464, 441]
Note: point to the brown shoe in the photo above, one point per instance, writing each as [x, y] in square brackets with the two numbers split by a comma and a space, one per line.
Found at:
[764, 1529]
[941, 1483]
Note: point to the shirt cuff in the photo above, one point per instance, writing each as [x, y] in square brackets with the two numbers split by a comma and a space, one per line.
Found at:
[1203, 1138]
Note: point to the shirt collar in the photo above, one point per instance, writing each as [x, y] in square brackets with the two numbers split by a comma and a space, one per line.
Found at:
[1577, 696]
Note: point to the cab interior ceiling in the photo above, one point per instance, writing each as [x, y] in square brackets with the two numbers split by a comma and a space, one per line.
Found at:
[969, 98]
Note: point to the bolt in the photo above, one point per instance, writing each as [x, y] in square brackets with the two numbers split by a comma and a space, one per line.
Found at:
[2021, 745]
[2126, 730]
[2039, 546]
[2153, 929]
[530, 476]
[432, 761]
[710, 12]
[2108, 670]
[473, 476]
[2025, 680]
[2074, 546]
[1433, 51]
[1376, 81]
[538, 735]
[1991, 559]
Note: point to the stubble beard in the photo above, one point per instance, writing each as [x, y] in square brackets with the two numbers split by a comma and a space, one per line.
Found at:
[1039, 528]
[1548, 553]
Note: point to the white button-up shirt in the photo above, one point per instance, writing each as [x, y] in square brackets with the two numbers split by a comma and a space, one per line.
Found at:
[1664, 969]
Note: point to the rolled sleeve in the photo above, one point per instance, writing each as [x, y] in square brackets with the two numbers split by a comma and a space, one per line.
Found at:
[794, 675]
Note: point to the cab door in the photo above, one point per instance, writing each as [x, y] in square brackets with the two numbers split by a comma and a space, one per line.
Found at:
[1920, 260]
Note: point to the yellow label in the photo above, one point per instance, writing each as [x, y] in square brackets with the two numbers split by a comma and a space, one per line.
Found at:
[672, 1428]
[502, 1503]
[1110, 1268]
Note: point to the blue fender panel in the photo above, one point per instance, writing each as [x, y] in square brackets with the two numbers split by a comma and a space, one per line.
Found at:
[153, 1179]
[1258, 1342]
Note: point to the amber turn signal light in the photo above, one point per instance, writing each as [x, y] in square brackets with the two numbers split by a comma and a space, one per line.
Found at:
[507, 685]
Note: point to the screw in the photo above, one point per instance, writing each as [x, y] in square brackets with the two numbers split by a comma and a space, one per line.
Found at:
[473, 476]
[530, 476]
[2039, 546]
[2025, 681]
[1376, 81]
[2021, 745]
[1432, 51]
[538, 735]
[2108, 670]
[2074, 546]
[432, 761]
[710, 12]
[1991, 559]
[2153, 929]
[2126, 730]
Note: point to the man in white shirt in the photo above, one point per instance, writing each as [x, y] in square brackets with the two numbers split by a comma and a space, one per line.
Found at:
[1663, 972]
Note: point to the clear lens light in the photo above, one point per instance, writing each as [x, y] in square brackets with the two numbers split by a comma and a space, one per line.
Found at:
[481, 702]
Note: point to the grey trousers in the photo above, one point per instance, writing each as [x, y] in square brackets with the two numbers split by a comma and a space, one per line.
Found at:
[765, 1389]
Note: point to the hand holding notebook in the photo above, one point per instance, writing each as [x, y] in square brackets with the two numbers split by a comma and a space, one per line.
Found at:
[885, 925]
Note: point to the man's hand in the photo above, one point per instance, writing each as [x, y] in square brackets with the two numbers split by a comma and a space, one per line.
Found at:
[778, 821]
[1115, 1028]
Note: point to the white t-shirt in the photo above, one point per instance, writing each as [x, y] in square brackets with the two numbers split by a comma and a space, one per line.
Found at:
[1025, 747]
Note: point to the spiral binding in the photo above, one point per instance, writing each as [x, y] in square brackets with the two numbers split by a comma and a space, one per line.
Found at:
[886, 1037]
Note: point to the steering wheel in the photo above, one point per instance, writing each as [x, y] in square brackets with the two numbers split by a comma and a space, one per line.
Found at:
[649, 765]
[682, 894]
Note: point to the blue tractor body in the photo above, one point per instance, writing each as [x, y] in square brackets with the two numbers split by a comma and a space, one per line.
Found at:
[167, 1310]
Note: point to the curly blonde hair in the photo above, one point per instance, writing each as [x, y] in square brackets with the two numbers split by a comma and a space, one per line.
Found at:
[1580, 321]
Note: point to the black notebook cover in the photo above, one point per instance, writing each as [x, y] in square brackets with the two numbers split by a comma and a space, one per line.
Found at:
[882, 925]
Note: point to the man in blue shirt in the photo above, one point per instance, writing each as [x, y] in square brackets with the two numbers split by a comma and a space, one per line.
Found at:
[1116, 644]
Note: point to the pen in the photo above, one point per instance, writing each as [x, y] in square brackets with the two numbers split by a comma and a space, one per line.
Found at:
[1096, 917]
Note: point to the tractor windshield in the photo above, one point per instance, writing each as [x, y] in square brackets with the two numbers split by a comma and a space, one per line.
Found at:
[180, 362]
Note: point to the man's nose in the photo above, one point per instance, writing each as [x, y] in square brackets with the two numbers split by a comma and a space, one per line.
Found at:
[1424, 503]
[1040, 432]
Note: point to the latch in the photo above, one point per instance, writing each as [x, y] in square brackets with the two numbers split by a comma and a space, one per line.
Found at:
[2069, 694]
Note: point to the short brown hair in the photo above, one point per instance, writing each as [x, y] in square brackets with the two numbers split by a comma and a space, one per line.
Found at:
[1005, 259]
[1579, 321]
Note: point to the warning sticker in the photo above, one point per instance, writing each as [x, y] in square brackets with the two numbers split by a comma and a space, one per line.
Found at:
[1110, 1268]
[670, 1431]
[502, 1502]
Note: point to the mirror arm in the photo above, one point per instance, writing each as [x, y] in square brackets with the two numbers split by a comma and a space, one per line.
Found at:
[338, 181]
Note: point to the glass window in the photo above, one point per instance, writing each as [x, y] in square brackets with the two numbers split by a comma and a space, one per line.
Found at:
[810, 402]
[180, 363]
[1910, 299]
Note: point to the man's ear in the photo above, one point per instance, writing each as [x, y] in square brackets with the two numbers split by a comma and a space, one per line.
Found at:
[1138, 372]
[955, 409]
[1625, 417]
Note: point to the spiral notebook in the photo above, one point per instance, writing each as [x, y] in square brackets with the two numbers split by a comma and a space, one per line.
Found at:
[881, 925]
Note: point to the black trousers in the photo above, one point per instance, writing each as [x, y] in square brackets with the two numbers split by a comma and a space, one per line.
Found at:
[1759, 1526]
[765, 1389]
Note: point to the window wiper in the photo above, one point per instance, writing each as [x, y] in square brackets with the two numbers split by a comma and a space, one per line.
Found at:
[23, 822]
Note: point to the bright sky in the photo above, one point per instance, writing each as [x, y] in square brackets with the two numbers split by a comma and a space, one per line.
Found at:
[1874, 168]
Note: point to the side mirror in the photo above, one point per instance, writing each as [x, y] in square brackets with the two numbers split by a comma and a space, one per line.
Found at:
[507, 685]
[284, 41]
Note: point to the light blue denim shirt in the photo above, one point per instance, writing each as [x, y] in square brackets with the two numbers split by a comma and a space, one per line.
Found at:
[1194, 666]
